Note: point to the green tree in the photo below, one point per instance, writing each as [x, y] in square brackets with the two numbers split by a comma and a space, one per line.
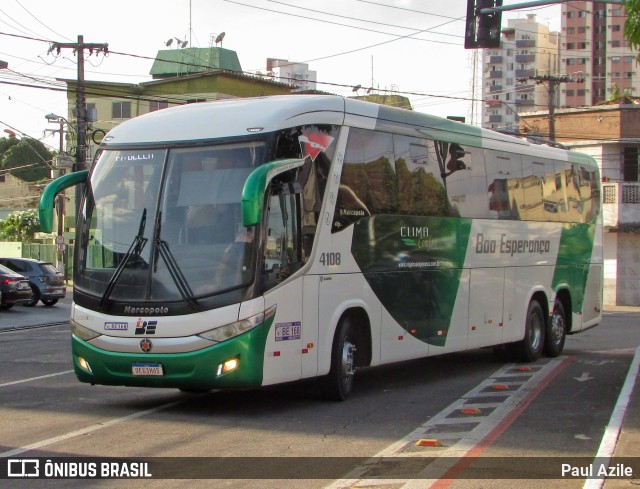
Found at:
[20, 226]
[632, 25]
[6, 143]
[28, 156]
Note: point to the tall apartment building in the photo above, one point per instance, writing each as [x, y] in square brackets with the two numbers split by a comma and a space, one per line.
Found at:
[527, 48]
[291, 73]
[593, 46]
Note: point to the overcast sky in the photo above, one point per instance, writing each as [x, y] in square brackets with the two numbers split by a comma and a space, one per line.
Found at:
[415, 47]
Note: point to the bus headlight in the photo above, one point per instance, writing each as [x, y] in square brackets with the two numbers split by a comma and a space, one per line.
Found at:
[236, 328]
[81, 332]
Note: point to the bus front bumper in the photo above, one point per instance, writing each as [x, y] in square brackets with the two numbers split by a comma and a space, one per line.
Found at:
[235, 363]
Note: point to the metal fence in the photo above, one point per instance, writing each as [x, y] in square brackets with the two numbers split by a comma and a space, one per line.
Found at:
[49, 253]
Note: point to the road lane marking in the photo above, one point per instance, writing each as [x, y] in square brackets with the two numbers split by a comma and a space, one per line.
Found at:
[35, 378]
[92, 428]
[612, 431]
[482, 430]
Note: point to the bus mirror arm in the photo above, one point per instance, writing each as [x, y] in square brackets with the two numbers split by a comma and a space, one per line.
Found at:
[46, 205]
[256, 185]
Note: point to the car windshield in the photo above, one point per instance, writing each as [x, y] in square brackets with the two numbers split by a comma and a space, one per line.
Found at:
[166, 225]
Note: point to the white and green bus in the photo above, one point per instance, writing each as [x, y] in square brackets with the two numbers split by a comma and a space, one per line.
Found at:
[249, 242]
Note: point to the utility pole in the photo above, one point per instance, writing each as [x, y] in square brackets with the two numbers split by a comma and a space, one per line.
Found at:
[81, 106]
[551, 82]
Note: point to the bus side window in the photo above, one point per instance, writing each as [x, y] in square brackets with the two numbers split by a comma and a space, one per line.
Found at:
[283, 241]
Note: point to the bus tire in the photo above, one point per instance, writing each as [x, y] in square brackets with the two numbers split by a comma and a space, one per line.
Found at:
[338, 383]
[556, 331]
[530, 347]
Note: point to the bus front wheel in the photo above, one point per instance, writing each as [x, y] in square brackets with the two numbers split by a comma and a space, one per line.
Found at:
[530, 347]
[338, 383]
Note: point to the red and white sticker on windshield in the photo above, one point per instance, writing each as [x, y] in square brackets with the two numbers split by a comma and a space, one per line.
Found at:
[313, 144]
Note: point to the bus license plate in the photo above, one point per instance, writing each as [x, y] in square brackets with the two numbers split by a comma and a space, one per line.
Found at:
[146, 369]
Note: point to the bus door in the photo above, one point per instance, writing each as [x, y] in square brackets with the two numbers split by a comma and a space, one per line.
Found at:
[294, 333]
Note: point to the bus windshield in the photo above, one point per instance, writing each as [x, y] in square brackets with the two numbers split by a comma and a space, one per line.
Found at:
[166, 225]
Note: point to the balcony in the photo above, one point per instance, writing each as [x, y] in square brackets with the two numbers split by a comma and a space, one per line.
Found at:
[495, 88]
[525, 73]
[620, 203]
[525, 43]
[525, 58]
[495, 59]
[495, 118]
[520, 102]
[495, 74]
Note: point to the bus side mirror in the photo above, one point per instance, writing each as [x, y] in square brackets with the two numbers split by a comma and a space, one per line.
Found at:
[256, 185]
[46, 206]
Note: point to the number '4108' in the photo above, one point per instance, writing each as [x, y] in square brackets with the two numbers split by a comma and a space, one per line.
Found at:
[330, 259]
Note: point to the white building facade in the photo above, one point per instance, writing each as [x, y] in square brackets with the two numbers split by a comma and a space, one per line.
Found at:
[527, 48]
[292, 73]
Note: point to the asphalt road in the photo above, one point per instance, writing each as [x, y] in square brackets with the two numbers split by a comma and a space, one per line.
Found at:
[479, 422]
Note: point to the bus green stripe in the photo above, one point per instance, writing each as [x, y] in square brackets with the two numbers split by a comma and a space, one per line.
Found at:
[413, 265]
[574, 257]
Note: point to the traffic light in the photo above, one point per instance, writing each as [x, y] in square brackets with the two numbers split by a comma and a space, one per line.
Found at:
[482, 30]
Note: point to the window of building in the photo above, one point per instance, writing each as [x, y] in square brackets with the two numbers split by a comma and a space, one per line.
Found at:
[630, 164]
[571, 61]
[158, 105]
[628, 74]
[92, 113]
[615, 28]
[628, 59]
[571, 14]
[571, 45]
[571, 30]
[121, 110]
[582, 13]
[570, 93]
[615, 74]
[615, 59]
[581, 92]
[615, 44]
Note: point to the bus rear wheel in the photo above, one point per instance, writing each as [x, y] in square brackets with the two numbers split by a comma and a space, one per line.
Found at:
[556, 331]
[338, 383]
[530, 347]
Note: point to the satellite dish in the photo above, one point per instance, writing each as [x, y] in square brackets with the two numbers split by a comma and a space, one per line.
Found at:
[183, 44]
[356, 88]
[219, 38]
[169, 42]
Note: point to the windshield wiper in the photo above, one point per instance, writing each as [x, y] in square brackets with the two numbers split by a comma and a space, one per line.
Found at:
[135, 248]
[162, 247]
